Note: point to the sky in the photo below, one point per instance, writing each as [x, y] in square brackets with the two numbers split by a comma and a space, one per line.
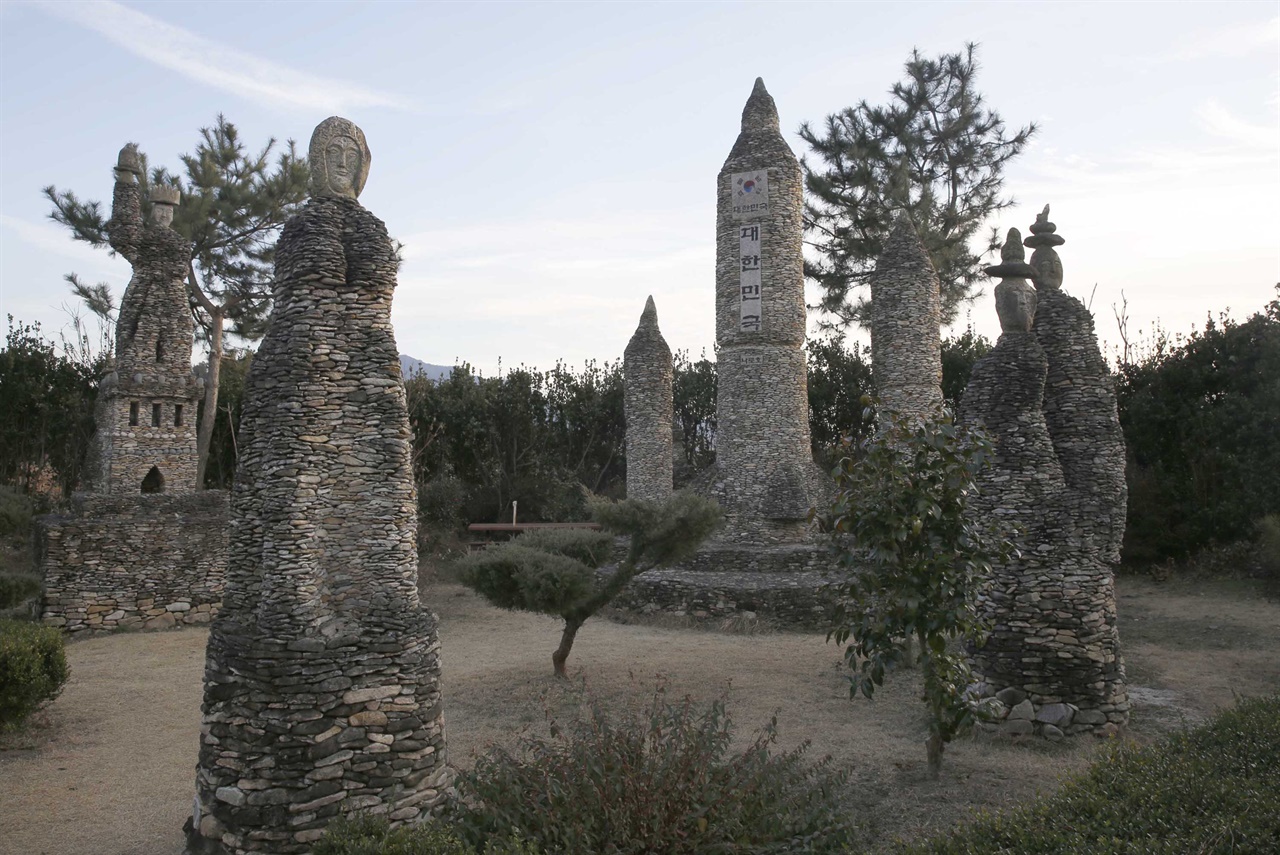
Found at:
[550, 165]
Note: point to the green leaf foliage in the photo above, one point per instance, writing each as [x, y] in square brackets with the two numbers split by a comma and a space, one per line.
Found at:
[660, 533]
[17, 588]
[900, 519]
[33, 669]
[936, 151]
[515, 576]
[370, 835]
[660, 779]
[1210, 789]
[1200, 419]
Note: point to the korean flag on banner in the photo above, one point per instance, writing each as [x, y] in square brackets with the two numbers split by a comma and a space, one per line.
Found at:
[749, 194]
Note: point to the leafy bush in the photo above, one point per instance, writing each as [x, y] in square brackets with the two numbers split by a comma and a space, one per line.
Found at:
[33, 669]
[16, 513]
[592, 548]
[659, 779]
[16, 588]
[369, 835]
[1211, 789]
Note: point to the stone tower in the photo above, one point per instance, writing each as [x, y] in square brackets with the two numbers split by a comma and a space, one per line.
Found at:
[1054, 648]
[322, 676]
[146, 411]
[764, 477]
[906, 350]
[647, 374]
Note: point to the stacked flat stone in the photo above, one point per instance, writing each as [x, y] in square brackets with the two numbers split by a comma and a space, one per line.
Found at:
[906, 350]
[764, 476]
[145, 417]
[648, 375]
[1053, 657]
[322, 677]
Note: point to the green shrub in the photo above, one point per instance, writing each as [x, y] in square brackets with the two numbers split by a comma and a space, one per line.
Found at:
[33, 669]
[369, 835]
[656, 780]
[1211, 789]
[16, 513]
[592, 548]
[16, 588]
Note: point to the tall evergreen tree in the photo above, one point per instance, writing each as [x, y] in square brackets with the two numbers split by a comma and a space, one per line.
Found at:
[233, 205]
[934, 150]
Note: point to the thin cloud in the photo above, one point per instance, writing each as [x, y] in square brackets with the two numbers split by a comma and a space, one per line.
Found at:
[1221, 122]
[217, 65]
[1234, 40]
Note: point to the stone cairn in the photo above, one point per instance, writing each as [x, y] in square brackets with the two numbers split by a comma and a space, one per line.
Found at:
[765, 559]
[142, 548]
[145, 439]
[906, 351]
[322, 677]
[1053, 657]
[647, 374]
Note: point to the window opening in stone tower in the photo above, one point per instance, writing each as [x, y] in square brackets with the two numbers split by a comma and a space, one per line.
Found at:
[133, 413]
[154, 482]
[177, 415]
[155, 415]
[159, 349]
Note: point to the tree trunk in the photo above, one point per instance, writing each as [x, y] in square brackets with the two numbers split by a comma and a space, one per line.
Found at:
[566, 644]
[204, 436]
[933, 748]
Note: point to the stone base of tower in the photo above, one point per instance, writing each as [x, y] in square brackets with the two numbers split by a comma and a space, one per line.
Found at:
[793, 586]
[297, 733]
[143, 561]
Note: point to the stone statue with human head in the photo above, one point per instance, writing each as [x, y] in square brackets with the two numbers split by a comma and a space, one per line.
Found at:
[339, 158]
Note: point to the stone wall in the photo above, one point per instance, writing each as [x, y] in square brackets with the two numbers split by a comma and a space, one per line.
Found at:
[133, 562]
[648, 375]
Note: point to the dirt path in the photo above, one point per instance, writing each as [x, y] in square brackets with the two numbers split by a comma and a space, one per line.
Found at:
[112, 771]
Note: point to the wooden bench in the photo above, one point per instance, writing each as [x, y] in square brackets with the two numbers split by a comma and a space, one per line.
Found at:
[496, 532]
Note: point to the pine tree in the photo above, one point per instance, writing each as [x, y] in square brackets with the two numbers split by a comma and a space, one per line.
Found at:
[233, 206]
[935, 151]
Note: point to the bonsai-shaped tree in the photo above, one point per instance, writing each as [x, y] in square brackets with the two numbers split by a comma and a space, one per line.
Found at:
[554, 571]
[900, 522]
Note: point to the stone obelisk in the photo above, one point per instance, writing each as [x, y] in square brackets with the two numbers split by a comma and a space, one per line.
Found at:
[765, 478]
[647, 374]
[322, 677]
[906, 350]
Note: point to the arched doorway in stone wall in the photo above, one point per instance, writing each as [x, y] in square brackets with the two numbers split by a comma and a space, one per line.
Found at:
[154, 482]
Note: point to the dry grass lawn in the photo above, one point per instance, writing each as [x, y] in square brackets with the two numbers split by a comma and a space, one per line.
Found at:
[109, 766]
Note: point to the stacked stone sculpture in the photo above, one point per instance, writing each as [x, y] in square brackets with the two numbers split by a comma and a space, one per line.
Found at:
[765, 560]
[1053, 656]
[647, 374]
[141, 548]
[145, 438]
[906, 350]
[322, 677]
[764, 476]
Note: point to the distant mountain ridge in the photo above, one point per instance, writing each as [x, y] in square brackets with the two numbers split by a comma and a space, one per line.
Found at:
[410, 367]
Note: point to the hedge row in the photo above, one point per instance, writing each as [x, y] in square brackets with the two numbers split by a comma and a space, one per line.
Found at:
[33, 669]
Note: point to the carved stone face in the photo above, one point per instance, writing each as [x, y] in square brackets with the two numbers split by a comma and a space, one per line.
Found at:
[339, 158]
[1048, 269]
[1016, 305]
[162, 215]
[342, 165]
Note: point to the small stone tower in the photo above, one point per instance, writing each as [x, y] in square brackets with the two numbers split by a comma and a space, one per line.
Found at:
[647, 374]
[764, 478]
[146, 411]
[906, 350]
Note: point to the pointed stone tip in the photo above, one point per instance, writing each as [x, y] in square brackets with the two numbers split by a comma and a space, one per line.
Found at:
[649, 317]
[760, 113]
[903, 245]
[1012, 249]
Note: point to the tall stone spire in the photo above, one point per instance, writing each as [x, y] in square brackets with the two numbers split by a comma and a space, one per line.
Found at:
[905, 316]
[647, 375]
[765, 478]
